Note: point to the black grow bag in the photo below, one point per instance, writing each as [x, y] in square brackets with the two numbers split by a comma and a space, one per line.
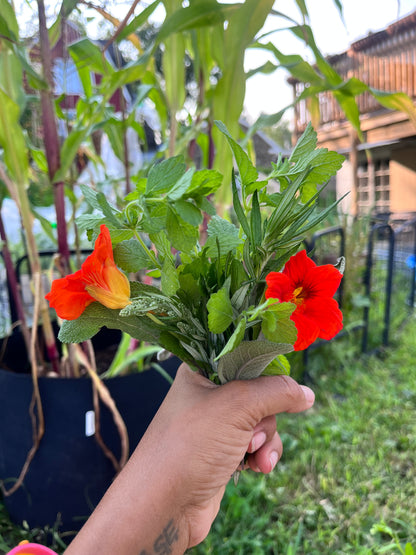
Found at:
[69, 473]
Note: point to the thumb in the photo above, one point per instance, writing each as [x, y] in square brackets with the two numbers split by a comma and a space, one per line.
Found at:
[269, 395]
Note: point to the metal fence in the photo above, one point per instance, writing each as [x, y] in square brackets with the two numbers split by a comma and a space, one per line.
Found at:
[378, 288]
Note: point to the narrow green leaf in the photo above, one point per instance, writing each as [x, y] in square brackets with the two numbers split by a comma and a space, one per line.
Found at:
[247, 171]
[256, 234]
[238, 209]
[203, 14]
[235, 339]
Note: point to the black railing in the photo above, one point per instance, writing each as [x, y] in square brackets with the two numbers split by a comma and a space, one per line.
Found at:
[388, 284]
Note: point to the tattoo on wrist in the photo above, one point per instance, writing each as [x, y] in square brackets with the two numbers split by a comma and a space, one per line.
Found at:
[164, 542]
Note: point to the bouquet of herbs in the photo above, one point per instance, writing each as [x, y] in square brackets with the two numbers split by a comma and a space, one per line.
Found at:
[233, 295]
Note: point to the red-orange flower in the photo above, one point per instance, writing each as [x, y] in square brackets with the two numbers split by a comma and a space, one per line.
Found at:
[99, 279]
[310, 288]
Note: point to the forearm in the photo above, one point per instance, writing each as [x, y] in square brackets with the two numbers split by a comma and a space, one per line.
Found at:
[137, 516]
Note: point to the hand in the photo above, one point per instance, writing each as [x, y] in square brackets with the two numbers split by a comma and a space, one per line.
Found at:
[170, 491]
[211, 428]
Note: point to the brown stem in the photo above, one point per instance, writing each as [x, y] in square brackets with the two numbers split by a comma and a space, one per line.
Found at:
[38, 422]
[121, 25]
[50, 134]
[14, 286]
[106, 398]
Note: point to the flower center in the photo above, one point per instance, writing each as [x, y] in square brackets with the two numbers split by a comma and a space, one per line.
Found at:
[298, 296]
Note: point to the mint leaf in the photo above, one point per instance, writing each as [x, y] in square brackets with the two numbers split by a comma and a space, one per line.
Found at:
[182, 235]
[220, 311]
[169, 280]
[225, 232]
[249, 359]
[204, 183]
[163, 176]
[131, 256]
[188, 212]
[182, 185]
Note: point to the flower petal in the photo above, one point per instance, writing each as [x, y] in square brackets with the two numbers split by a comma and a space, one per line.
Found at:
[297, 267]
[308, 330]
[326, 314]
[68, 296]
[323, 281]
[279, 286]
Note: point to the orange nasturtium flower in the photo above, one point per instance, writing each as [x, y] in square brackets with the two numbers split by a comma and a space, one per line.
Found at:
[310, 288]
[99, 279]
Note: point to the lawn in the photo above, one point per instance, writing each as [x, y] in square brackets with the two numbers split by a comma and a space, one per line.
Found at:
[346, 483]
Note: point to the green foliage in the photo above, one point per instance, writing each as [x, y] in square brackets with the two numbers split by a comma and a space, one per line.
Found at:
[210, 308]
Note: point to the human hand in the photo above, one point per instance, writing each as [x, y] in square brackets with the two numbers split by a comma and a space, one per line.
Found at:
[206, 430]
[167, 496]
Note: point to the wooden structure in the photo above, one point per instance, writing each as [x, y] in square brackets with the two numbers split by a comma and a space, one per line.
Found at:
[381, 172]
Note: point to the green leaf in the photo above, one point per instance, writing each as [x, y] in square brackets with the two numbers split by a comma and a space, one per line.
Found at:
[247, 171]
[163, 176]
[238, 209]
[9, 26]
[182, 235]
[182, 185]
[138, 21]
[204, 183]
[89, 221]
[235, 339]
[131, 256]
[96, 316]
[305, 145]
[225, 233]
[86, 54]
[203, 14]
[278, 367]
[12, 140]
[255, 221]
[169, 280]
[277, 325]
[220, 311]
[249, 359]
[188, 212]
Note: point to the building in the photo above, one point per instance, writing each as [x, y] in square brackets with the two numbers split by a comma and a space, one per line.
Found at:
[379, 173]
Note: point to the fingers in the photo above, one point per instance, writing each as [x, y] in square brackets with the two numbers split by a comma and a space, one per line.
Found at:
[266, 457]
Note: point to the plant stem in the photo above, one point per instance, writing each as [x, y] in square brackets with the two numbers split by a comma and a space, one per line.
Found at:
[51, 138]
[149, 252]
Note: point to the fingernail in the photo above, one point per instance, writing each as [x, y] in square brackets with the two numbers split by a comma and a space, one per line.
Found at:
[274, 457]
[257, 441]
[309, 394]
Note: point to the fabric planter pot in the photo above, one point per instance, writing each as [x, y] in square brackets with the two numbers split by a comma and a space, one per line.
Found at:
[69, 473]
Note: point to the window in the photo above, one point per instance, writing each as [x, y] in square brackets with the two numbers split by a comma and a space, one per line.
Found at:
[382, 186]
[374, 187]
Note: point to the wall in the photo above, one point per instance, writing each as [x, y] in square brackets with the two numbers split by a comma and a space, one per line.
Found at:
[403, 180]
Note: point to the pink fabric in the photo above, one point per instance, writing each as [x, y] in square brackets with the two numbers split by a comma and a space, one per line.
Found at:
[31, 549]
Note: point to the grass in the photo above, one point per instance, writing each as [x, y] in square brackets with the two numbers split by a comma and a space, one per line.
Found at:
[346, 483]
